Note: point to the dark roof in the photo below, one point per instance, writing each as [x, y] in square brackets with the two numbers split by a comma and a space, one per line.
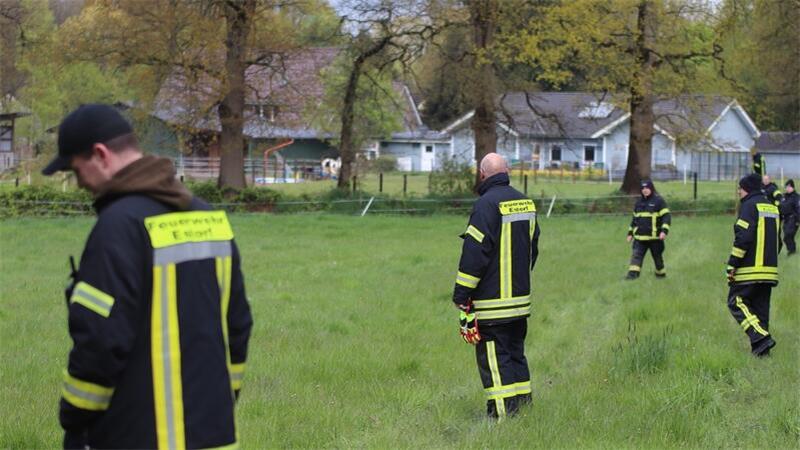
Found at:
[779, 142]
[580, 115]
[292, 83]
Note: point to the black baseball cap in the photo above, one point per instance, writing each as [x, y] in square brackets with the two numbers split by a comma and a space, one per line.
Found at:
[84, 127]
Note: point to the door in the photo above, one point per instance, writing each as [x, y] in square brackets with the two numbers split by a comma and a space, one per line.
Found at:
[428, 157]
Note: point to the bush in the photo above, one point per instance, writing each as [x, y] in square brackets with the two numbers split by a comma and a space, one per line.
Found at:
[207, 190]
[38, 200]
[385, 163]
[256, 199]
[454, 179]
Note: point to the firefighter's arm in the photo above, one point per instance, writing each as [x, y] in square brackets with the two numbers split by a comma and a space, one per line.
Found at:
[240, 322]
[478, 244]
[633, 223]
[535, 244]
[744, 235]
[666, 217]
[103, 317]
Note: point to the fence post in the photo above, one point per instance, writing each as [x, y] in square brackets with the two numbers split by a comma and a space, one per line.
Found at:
[380, 182]
[525, 183]
[719, 165]
[521, 170]
[405, 183]
[355, 182]
[534, 174]
[16, 182]
[694, 175]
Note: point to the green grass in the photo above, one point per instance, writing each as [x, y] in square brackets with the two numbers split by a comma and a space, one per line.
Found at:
[355, 341]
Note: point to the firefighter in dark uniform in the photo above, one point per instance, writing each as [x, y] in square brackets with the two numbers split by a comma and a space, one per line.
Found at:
[759, 164]
[157, 309]
[648, 230]
[753, 265]
[790, 216]
[493, 286]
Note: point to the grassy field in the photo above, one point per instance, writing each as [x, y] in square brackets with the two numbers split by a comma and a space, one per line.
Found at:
[355, 342]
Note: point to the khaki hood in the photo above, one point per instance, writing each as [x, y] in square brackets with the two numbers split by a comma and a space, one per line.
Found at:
[151, 176]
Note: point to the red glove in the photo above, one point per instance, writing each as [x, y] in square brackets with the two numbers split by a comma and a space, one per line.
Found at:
[469, 325]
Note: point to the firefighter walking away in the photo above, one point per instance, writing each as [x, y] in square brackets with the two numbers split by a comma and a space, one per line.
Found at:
[648, 230]
[753, 264]
[493, 286]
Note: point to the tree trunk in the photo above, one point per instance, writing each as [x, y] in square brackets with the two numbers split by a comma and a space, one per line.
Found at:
[346, 145]
[10, 22]
[483, 15]
[642, 117]
[238, 17]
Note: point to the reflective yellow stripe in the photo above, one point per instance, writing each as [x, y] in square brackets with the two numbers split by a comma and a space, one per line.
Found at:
[635, 268]
[181, 227]
[738, 252]
[650, 237]
[663, 212]
[750, 319]
[665, 226]
[224, 269]
[757, 277]
[498, 302]
[743, 224]
[503, 313]
[475, 233]
[166, 359]
[760, 242]
[644, 214]
[491, 355]
[756, 269]
[85, 395]
[661, 271]
[467, 280]
[92, 298]
[523, 387]
[237, 375]
[505, 261]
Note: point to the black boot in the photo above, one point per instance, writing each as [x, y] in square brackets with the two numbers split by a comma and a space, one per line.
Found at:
[761, 348]
[632, 275]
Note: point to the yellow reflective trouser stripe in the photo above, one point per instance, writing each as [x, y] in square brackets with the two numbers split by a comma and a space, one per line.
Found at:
[92, 298]
[661, 271]
[494, 368]
[85, 395]
[511, 390]
[237, 374]
[500, 302]
[738, 252]
[749, 318]
[743, 224]
[503, 313]
[166, 359]
[475, 233]
[505, 261]
[634, 268]
[467, 280]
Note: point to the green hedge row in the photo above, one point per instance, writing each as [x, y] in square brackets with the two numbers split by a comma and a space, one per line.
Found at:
[44, 200]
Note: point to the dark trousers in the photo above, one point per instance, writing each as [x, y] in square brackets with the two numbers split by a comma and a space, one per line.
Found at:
[789, 230]
[749, 305]
[503, 367]
[656, 248]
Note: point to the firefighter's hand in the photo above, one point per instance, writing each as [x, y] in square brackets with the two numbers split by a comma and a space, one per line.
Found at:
[731, 272]
[662, 236]
[469, 326]
[630, 237]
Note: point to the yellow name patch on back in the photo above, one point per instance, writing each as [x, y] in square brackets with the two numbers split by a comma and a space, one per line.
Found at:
[194, 226]
[517, 206]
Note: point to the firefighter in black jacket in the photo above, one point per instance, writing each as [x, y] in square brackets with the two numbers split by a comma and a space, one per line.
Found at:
[775, 197]
[790, 216]
[753, 264]
[648, 230]
[157, 310]
[493, 286]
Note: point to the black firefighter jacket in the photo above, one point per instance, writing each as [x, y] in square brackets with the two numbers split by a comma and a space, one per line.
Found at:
[790, 208]
[498, 253]
[158, 319]
[755, 244]
[650, 217]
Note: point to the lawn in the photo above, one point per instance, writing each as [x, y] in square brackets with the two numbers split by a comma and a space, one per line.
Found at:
[355, 341]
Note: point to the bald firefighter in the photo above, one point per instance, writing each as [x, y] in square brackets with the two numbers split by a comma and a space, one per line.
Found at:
[493, 286]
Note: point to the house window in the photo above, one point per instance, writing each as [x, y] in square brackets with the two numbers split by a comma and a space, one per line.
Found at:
[428, 149]
[588, 153]
[6, 137]
[555, 153]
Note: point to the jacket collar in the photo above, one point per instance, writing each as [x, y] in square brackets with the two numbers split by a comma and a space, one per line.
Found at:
[751, 195]
[500, 179]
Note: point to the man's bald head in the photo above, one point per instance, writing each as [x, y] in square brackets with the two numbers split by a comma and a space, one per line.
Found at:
[492, 164]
